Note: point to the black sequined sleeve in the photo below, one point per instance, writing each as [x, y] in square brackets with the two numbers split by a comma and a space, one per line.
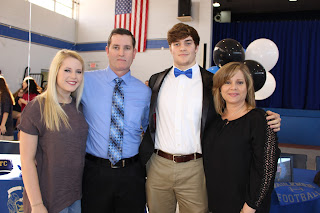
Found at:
[264, 163]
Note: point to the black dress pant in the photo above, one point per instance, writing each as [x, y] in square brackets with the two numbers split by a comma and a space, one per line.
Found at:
[113, 190]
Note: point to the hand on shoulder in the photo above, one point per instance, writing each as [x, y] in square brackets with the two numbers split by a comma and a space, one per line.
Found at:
[274, 121]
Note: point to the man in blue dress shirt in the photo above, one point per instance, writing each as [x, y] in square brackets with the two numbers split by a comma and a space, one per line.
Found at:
[115, 185]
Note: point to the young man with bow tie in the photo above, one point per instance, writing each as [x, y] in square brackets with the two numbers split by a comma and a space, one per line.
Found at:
[181, 107]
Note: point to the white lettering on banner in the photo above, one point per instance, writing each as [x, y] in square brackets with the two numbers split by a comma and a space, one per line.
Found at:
[291, 199]
[309, 196]
[303, 197]
[276, 185]
[316, 194]
[297, 198]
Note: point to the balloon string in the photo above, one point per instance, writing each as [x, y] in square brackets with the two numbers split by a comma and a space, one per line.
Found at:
[29, 51]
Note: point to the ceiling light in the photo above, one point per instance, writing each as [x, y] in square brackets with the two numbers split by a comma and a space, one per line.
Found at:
[293, 0]
[216, 4]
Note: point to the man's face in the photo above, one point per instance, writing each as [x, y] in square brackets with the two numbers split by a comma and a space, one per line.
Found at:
[121, 54]
[184, 53]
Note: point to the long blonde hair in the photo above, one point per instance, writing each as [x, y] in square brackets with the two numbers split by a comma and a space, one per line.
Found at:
[53, 113]
[225, 73]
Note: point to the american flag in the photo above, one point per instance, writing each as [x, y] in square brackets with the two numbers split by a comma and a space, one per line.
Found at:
[133, 15]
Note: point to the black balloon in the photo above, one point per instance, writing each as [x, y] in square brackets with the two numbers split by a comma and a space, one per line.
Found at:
[227, 50]
[258, 73]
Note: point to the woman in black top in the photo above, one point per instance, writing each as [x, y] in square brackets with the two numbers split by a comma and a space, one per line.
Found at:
[16, 113]
[240, 151]
[7, 101]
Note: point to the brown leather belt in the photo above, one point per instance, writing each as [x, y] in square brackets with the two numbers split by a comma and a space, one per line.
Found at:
[178, 158]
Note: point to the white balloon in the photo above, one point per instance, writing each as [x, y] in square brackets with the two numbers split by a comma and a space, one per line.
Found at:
[263, 51]
[267, 89]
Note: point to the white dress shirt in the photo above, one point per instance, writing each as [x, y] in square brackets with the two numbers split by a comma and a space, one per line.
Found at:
[178, 113]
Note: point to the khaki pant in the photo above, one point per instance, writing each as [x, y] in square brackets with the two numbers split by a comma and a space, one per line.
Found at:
[169, 182]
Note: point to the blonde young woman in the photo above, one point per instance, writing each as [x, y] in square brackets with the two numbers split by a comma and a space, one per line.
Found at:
[240, 150]
[6, 104]
[53, 139]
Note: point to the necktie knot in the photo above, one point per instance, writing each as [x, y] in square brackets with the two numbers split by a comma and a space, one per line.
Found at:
[118, 81]
[178, 72]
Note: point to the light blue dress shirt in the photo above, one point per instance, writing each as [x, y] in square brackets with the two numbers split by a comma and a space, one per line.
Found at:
[97, 101]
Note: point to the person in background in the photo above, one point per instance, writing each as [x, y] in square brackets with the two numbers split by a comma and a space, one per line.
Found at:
[181, 108]
[30, 89]
[316, 179]
[7, 101]
[116, 106]
[53, 134]
[16, 113]
[240, 150]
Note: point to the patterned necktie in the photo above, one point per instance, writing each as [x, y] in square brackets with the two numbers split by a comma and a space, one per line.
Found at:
[178, 72]
[116, 125]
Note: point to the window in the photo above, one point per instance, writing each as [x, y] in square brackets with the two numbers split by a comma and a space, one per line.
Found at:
[63, 7]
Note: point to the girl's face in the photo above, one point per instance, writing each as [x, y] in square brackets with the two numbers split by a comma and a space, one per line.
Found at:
[70, 76]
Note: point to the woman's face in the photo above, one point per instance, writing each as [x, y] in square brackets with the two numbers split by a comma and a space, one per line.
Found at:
[20, 93]
[234, 90]
[24, 84]
[70, 76]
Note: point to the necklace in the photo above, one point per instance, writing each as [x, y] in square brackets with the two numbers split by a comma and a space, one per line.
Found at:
[233, 114]
[67, 102]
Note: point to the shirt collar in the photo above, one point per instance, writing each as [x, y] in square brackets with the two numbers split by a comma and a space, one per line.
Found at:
[111, 76]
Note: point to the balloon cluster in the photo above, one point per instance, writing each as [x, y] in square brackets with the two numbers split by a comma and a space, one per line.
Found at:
[260, 57]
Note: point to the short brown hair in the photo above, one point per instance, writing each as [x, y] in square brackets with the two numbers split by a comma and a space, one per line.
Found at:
[224, 74]
[182, 31]
[121, 31]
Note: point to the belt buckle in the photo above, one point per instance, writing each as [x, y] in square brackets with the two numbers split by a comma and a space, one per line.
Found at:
[173, 156]
[117, 167]
[114, 166]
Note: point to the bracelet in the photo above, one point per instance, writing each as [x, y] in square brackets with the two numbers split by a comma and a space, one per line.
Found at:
[36, 204]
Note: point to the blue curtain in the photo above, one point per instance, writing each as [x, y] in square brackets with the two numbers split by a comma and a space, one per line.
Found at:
[297, 71]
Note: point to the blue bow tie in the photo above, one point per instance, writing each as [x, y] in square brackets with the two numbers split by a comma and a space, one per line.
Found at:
[178, 72]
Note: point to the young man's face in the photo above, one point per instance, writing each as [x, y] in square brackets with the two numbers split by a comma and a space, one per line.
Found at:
[121, 54]
[184, 53]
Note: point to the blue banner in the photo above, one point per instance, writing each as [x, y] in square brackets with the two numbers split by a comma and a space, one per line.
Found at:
[296, 192]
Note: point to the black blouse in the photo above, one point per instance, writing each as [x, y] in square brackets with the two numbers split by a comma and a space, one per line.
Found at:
[240, 162]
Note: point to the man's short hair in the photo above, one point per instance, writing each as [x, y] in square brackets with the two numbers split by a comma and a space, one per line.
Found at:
[121, 31]
[182, 31]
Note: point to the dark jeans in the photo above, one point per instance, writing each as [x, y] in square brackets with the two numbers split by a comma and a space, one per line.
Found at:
[110, 190]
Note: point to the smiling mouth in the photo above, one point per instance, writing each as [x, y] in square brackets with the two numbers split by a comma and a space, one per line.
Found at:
[233, 94]
[72, 82]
